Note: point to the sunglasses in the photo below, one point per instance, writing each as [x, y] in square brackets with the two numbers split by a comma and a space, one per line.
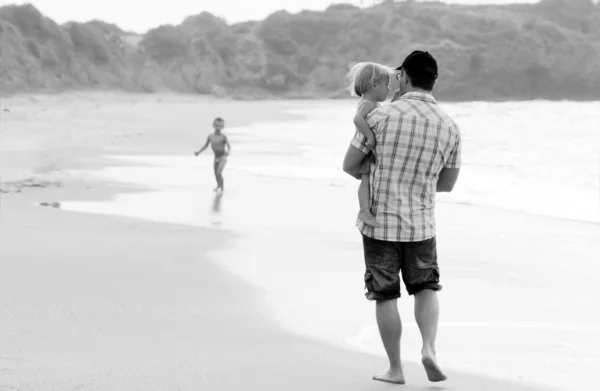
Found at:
[398, 75]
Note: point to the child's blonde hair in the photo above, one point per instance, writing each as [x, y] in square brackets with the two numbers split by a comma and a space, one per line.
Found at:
[363, 75]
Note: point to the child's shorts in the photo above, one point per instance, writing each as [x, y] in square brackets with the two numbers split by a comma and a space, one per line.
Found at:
[365, 166]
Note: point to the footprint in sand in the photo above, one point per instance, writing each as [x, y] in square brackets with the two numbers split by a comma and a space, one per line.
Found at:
[50, 204]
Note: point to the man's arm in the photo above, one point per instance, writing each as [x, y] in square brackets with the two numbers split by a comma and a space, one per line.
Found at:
[447, 179]
[353, 160]
[204, 147]
[449, 174]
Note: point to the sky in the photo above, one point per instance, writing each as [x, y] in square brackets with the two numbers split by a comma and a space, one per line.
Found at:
[141, 15]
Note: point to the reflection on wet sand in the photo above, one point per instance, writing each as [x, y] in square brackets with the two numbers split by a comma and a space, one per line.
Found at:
[216, 203]
[216, 207]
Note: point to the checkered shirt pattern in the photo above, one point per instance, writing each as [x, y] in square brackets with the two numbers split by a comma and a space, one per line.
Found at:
[415, 140]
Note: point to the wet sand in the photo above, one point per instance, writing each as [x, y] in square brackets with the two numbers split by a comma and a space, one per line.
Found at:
[109, 303]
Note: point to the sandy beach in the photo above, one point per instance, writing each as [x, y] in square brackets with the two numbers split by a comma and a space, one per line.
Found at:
[249, 291]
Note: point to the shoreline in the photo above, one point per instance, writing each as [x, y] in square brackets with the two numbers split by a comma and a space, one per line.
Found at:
[116, 161]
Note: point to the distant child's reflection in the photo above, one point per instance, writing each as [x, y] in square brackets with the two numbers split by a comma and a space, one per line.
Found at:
[216, 203]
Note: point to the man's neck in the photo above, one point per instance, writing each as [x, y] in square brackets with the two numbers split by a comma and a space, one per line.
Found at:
[416, 89]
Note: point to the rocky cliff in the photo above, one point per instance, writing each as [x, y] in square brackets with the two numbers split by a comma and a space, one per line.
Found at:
[546, 50]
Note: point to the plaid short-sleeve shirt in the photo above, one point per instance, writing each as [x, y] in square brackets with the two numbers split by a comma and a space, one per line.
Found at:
[415, 140]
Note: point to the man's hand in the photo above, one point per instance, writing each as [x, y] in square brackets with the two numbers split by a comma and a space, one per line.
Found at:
[396, 95]
[196, 153]
[370, 143]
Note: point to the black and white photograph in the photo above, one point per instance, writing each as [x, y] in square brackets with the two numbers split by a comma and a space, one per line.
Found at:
[299, 195]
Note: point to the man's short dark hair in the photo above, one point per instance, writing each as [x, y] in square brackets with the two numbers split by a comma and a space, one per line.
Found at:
[219, 119]
[421, 68]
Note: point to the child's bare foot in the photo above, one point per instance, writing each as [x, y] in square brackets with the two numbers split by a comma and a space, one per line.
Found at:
[368, 218]
[395, 376]
[434, 373]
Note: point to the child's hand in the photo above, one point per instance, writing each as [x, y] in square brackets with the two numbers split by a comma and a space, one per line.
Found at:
[370, 143]
[196, 153]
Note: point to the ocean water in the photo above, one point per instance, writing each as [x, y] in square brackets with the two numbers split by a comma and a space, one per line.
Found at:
[537, 157]
[295, 210]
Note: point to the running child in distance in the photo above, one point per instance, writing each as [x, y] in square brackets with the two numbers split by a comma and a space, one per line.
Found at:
[221, 148]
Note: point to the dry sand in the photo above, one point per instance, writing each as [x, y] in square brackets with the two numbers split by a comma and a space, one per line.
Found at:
[91, 302]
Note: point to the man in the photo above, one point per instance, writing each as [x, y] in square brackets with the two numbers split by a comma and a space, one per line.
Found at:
[418, 152]
[221, 148]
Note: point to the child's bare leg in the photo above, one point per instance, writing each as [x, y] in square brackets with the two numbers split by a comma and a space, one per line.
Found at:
[364, 200]
[219, 173]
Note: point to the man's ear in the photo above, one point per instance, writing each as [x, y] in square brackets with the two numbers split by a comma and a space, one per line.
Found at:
[402, 78]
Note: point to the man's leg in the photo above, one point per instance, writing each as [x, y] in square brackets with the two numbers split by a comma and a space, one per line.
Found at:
[427, 311]
[422, 278]
[382, 280]
[390, 329]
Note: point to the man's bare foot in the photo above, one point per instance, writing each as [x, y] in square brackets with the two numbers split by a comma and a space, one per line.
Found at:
[367, 218]
[395, 376]
[434, 373]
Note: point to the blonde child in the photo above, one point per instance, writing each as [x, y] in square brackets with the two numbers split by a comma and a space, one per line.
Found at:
[370, 82]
